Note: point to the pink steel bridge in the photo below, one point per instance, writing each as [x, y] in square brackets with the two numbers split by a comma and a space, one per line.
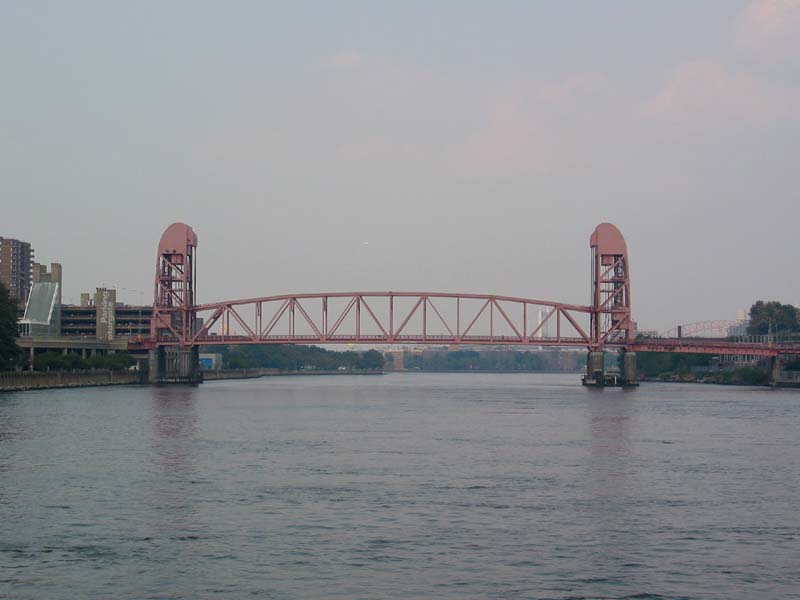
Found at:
[391, 317]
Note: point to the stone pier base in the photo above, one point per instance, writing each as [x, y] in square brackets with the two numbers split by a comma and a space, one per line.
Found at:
[173, 364]
[597, 377]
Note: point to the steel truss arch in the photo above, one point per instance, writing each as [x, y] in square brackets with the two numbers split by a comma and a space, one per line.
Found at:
[495, 320]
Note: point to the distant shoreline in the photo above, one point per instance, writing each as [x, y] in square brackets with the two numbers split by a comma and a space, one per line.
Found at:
[229, 374]
[479, 371]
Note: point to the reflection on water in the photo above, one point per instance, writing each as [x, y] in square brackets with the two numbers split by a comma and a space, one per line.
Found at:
[174, 422]
[9, 426]
[175, 413]
[9, 431]
[612, 484]
[611, 416]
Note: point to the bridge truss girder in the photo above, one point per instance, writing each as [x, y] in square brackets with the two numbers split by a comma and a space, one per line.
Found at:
[392, 318]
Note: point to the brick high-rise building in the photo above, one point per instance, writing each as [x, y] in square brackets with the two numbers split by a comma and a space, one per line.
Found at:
[16, 258]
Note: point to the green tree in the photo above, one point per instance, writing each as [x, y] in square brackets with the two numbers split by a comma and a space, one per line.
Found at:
[653, 364]
[746, 376]
[412, 361]
[9, 351]
[773, 317]
[462, 360]
[293, 358]
[371, 360]
[55, 361]
[72, 361]
[119, 361]
[46, 361]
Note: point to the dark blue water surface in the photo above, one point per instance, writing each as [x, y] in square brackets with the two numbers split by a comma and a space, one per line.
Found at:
[400, 486]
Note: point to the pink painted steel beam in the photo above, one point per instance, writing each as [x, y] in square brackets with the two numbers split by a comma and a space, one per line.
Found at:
[572, 307]
[388, 334]
[421, 299]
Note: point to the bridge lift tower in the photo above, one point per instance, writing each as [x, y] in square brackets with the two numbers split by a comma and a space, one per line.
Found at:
[611, 321]
[173, 357]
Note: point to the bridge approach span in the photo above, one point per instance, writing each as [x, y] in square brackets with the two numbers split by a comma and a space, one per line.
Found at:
[714, 346]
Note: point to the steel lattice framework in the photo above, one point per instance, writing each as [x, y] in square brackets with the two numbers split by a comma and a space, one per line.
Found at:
[490, 320]
[173, 305]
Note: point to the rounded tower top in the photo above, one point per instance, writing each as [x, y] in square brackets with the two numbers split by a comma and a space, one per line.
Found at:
[608, 240]
[176, 238]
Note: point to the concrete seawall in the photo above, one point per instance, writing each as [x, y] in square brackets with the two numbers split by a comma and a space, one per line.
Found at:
[238, 374]
[27, 380]
[11, 381]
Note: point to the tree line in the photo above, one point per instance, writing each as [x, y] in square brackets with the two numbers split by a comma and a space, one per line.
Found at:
[494, 360]
[773, 318]
[656, 364]
[10, 354]
[296, 358]
[55, 361]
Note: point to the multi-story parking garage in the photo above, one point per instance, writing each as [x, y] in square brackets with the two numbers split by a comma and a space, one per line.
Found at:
[98, 325]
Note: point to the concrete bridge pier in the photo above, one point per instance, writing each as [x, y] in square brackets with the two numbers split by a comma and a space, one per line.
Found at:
[597, 377]
[174, 364]
[155, 364]
[629, 376]
[774, 370]
[595, 369]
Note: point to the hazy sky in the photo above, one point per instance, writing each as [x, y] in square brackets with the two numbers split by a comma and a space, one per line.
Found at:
[473, 145]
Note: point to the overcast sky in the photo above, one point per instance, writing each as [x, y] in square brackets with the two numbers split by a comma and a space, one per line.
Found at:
[442, 146]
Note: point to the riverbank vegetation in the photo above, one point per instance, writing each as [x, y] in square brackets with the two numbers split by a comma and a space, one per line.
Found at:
[9, 351]
[668, 366]
[55, 361]
[750, 375]
[494, 360]
[658, 364]
[297, 358]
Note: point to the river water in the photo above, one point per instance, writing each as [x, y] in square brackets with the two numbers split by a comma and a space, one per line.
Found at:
[400, 486]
